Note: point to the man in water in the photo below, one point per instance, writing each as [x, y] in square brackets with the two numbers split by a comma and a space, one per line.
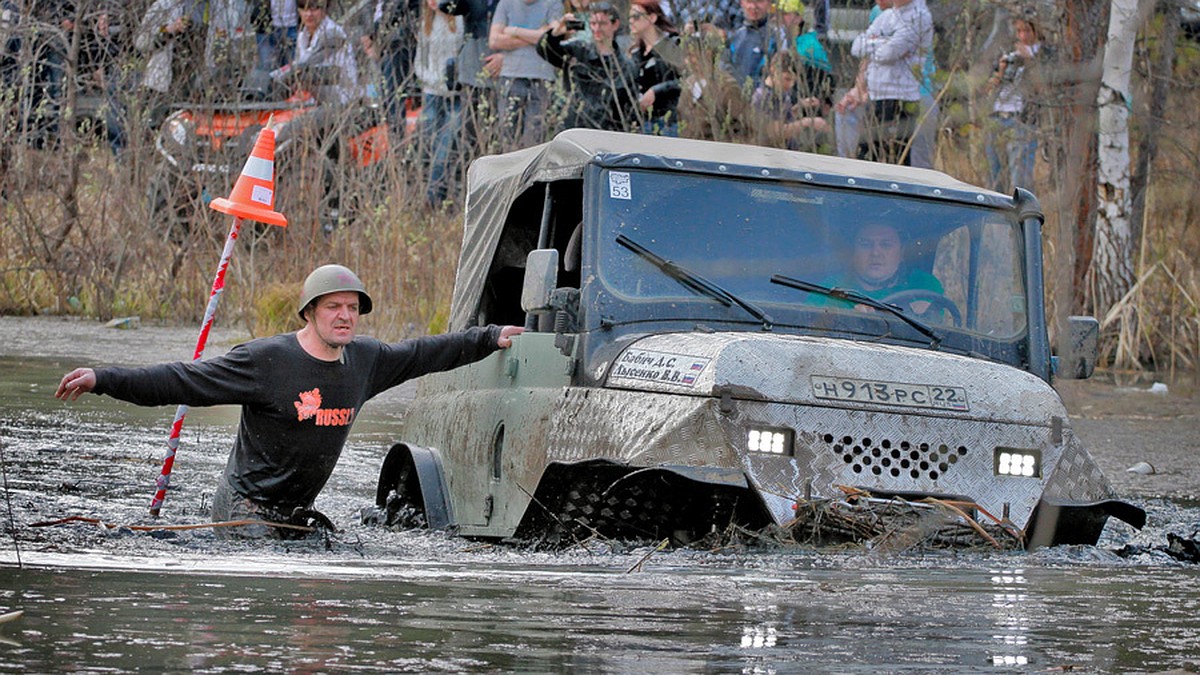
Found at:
[299, 392]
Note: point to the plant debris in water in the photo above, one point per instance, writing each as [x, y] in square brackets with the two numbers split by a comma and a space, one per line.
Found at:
[893, 526]
[1183, 549]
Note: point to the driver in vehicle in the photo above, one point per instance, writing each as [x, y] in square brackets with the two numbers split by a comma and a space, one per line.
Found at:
[878, 270]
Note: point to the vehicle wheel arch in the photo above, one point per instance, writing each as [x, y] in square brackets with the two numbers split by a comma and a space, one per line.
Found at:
[416, 474]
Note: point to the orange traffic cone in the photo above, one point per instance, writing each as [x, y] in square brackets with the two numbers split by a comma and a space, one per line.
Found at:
[253, 196]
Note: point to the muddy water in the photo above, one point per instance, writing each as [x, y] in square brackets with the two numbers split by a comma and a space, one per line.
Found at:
[113, 599]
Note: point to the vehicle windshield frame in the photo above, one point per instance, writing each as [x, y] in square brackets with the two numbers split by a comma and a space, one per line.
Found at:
[689, 311]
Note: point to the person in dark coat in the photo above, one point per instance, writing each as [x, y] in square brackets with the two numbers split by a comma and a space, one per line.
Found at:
[657, 60]
[600, 77]
[299, 392]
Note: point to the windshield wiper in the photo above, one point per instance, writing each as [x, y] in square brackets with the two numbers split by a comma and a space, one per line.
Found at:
[695, 282]
[856, 297]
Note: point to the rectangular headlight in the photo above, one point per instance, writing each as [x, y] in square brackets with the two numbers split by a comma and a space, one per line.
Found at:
[1018, 462]
[769, 441]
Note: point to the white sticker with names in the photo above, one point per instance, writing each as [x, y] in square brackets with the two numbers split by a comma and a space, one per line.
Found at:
[650, 366]
[618, 185]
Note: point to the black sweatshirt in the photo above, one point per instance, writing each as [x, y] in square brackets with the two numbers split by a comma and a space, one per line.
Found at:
[296, 409]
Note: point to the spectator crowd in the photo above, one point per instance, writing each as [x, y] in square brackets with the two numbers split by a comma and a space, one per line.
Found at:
[457, 78]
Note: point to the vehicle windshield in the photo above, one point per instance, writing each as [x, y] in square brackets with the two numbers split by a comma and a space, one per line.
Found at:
[812, 258]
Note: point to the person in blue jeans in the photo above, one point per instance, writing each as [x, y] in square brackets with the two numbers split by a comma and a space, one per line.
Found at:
[439, 39]
[276, 24]
[1012, 127]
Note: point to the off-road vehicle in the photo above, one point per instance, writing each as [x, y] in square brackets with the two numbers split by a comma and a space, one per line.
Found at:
[692, 359]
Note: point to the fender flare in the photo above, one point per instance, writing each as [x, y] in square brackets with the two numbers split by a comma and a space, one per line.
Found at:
[430, 477]
[1061, 521]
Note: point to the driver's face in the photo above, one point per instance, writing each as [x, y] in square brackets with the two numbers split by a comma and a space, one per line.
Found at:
[877, 254]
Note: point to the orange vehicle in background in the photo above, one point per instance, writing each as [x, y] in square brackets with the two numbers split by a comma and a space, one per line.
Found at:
[320, 146]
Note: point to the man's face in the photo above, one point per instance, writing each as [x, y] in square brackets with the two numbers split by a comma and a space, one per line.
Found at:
[877, 254]
[756, 10]
[334, 316]
[603, 26]
[312, 16]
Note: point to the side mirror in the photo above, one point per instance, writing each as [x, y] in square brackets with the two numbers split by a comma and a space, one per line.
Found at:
[1078, 349]
[541, 277]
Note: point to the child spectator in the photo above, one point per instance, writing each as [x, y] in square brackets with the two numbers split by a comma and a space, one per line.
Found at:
[788, 116]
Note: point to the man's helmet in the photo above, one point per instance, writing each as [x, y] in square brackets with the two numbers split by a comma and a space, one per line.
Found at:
[332, 279]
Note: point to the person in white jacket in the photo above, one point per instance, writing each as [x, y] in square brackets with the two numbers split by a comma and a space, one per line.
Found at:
[322, 42]
[438, 41]
[894, 45]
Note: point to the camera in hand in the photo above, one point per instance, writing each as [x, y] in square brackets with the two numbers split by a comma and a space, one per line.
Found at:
[1010, 65]
[575, 24]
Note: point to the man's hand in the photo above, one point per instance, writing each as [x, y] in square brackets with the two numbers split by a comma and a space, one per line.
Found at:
[77, 382]
[492, 63]
[558, 27]
[505, 341]
[647, 100]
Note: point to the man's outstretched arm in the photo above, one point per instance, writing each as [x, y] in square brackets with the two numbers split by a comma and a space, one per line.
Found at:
[75, 384]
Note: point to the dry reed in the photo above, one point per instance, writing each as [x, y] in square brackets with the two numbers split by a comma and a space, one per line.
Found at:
[80, 235]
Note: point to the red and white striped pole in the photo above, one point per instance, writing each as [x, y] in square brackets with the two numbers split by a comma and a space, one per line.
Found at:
[253, 198]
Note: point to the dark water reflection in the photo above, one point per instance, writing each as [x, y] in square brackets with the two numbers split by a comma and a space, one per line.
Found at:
[790, 615]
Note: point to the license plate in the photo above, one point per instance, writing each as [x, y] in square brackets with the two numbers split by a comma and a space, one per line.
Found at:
[938, 396]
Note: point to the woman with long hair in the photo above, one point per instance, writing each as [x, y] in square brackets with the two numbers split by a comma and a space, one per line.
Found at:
[657, 59]
[438, 43]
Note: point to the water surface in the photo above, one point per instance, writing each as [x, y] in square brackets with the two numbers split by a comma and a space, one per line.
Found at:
[111, 599]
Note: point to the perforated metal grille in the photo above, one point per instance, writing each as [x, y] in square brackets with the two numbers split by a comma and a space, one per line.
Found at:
[887, 457]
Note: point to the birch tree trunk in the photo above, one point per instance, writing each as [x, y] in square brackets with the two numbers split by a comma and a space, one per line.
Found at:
[1111, 272]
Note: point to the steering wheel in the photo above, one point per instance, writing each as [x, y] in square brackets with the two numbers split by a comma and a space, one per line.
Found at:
[937, 301]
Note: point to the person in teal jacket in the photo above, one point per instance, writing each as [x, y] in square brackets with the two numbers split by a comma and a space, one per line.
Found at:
[878, 269]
